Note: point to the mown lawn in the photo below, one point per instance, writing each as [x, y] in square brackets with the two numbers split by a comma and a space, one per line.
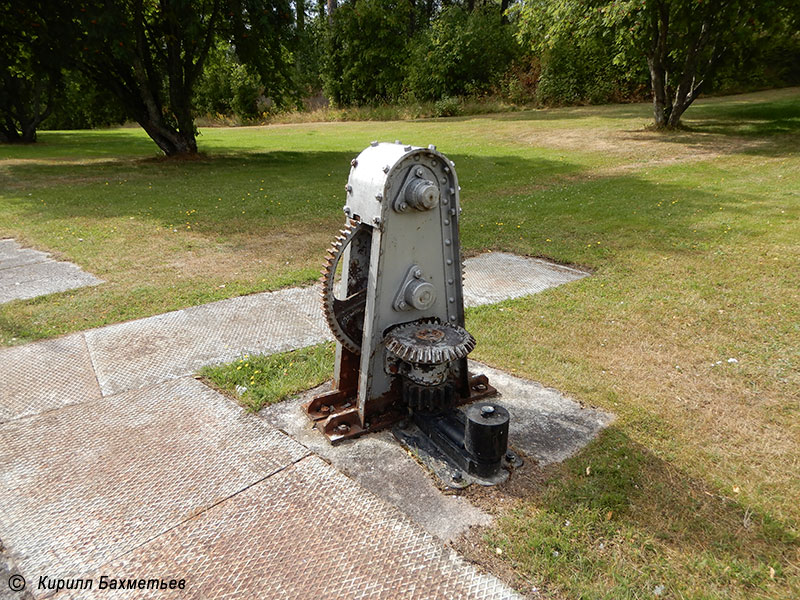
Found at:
[694, 242]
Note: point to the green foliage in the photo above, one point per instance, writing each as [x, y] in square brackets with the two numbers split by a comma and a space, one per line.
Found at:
[309, 57]
[229, 87]
[81, 104]
[447, 107]
[590, 46]
[34, 45]
[151, 56]
[461, 53]
[367, 52]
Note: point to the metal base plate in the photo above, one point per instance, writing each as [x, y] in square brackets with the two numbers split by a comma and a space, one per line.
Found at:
[448, 472]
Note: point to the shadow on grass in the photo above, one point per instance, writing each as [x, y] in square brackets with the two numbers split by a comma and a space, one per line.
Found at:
[625, 518]
[510, 203]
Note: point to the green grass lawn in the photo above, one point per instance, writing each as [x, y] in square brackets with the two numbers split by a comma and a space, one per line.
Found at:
[694, 242]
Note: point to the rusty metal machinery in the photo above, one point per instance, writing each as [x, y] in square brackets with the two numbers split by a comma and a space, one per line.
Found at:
[392, 295]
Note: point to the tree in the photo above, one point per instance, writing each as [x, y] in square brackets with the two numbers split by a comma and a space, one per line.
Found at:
[33, 51]
[150, 55]
[682, 42]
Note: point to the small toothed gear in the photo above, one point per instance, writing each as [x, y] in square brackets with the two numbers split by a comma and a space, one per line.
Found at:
[428, 399]
[344, 317]
[429, 342]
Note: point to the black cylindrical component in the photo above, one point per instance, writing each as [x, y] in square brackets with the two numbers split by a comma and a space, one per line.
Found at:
[486, 436]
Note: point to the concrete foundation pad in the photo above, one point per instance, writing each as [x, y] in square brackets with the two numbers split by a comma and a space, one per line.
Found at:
[86, 483]
[382, 466]
[44, 376]
[307, 532]
[26, 273]
[546, 427]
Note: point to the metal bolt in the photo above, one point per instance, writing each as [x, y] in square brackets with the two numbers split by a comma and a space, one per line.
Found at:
[407, 148]
[445, 200]
[452, 317]
[397, 142]
[348, 188]
[453, 212]
[450, 281]
[509, 456]
[432, 147]
[377, 220]
[449, 261]
[346, 210]
[386, 169]
[344, 428]
[452, 164]
[458, 477]
[447, 242]
[373, 143]
[378, 196]
[354, 163]
[402, 304]
[403, 206]
[487, 411]
[446, 169]
[419, 172]
[451, 299]
[418, 273]
[447, 221]
[452, 191]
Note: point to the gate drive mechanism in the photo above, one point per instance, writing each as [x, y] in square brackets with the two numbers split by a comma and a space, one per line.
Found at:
[392, 296]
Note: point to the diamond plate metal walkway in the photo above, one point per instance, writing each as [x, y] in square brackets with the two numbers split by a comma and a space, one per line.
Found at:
[114, 461]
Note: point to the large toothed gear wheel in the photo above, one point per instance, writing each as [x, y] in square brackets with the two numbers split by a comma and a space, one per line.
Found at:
[429, 342]
[345, 316]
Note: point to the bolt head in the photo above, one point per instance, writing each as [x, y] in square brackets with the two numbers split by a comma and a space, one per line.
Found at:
[407, 148]
[378, 196]
[354, 163]
[373, 143]
[403, 206]
[402, 304]
[419, 172]
[487, 411]
[386, 169]
[377, 220]
[431, 147]
[418, 273]
[346, 210]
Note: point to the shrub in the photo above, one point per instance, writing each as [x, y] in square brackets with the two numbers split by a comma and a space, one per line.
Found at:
[366, 52]
[461, 53]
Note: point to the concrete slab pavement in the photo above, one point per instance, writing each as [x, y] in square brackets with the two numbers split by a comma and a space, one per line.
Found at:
[114, 462]
[27, 273]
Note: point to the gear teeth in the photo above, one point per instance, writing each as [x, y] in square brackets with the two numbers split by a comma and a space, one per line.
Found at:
[456, 343]
[328, 272]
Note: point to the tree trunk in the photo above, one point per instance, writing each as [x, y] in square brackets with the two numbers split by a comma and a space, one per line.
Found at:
[661, 100]
[656, 61]
[332, 5]
[300, 6]
[170, 141]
